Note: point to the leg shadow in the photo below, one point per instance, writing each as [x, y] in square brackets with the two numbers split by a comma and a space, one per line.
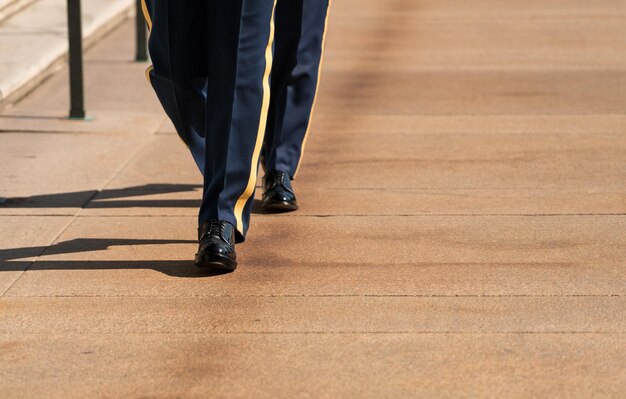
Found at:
[10, 258]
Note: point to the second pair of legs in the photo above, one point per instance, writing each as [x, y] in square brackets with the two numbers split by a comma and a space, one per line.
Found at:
[238, 79]
[217, 238]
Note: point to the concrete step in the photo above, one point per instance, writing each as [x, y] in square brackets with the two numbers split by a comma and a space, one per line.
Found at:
[10, 7]
[33, 41]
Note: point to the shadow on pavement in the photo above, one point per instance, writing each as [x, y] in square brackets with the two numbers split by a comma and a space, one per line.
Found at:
[177, 268]
[106, 198]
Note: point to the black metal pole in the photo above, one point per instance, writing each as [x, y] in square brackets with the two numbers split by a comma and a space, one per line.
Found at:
[75, 35]
[140, 29]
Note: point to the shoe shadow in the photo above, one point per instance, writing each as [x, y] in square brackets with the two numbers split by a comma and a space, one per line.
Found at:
[257, 209]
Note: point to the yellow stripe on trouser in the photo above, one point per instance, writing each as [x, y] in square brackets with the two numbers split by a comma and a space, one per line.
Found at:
[150, 68]
[146, 15]
[245, 196]
[317, 85]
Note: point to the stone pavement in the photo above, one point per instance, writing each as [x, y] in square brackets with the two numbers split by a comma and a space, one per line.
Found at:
[462, 229]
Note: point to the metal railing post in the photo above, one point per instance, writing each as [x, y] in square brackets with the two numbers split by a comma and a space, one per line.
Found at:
[75, 36]
[141, 35]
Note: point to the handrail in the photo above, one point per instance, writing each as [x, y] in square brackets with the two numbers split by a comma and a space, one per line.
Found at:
[141, 54]
[75, 38]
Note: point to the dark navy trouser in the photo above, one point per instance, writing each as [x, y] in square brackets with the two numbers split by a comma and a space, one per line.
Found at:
[237, 77]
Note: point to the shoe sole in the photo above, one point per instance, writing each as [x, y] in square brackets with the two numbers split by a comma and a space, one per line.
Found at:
[282, 206]
[216, 262]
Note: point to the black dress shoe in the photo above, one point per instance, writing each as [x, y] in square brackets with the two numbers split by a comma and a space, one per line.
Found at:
[278, 195]
[217, 245]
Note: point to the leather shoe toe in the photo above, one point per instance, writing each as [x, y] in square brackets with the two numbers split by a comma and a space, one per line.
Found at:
[278, 195]
[216, 245]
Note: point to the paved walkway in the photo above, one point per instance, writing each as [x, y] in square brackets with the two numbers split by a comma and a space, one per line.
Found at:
[462, 230]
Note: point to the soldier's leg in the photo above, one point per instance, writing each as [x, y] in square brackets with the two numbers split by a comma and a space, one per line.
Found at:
[239, 64]
[300, 34]
[178, 49]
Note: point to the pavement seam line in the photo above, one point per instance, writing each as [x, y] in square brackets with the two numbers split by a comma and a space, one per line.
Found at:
[324, 216]
[77, 215]
[38, 255]
[117, 333]
[320, 296]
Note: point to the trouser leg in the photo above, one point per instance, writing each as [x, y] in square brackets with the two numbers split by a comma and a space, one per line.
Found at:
[240, 59]
[212, 61]
[300, 33]
[178, 49]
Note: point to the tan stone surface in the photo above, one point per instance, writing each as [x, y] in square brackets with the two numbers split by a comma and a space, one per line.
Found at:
[422, 255]
[449, 201]
[494, 160]
[519, 173]
[165, 160]
[473, 92]
[482, 9]
[112, 123]
[23, 239]
[33, 42]
[52, 165]
[47, 173]
[313, 365]
[412, 43]
[334, 314]
[462, 229]
[537, 124]
[183, 199]
[114, 85]
[111, 97]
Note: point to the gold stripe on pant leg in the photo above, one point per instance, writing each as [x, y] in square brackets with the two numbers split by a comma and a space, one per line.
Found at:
[146, 14]
[245, 196]
[148, 18]
[317, 85]
[148, 70]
